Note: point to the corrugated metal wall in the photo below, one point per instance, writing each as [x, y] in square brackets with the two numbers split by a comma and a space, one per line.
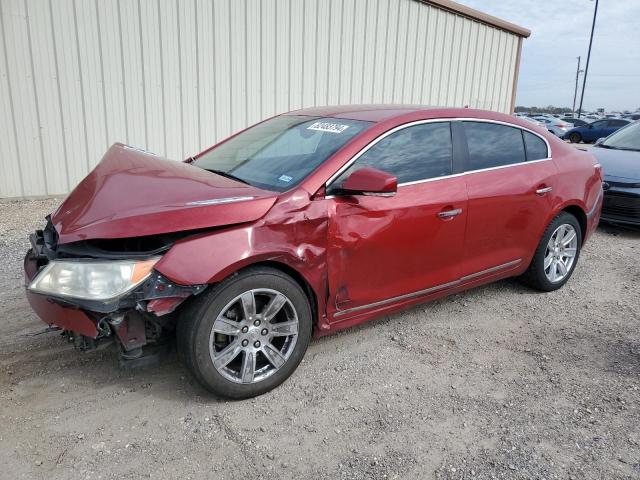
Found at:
[175, 76]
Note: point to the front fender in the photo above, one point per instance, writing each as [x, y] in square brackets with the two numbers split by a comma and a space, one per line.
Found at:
[213, 257]
[294, 234]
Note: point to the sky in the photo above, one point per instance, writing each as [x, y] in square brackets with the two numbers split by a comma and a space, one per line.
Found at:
[559, 33]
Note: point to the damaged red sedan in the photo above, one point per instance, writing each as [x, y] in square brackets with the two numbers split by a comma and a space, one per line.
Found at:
[306, 223]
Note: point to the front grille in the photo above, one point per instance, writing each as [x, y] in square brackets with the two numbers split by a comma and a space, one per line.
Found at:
[621, 205]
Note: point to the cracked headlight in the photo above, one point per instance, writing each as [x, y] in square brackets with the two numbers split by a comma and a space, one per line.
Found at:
[92, 279]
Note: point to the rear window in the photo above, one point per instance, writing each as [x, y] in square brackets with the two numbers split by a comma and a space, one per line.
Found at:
[535, 147]
[493, 145]
[617, 123]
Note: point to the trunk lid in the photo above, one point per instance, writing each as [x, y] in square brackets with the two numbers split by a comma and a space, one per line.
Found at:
[133, 193]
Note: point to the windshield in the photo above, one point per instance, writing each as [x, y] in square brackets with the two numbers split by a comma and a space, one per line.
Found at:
[627, 138]
[279, 153]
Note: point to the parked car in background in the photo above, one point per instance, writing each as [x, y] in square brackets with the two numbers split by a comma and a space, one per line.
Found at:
[598, 129]
[632, 116]
[537, 123]
[619, 155]
[555, 125]
[576, 122]
[308, 222]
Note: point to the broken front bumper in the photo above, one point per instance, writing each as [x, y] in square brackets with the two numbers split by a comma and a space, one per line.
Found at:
[155, 297]
[55, 314]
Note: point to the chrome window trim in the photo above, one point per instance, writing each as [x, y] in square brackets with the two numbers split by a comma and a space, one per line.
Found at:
[361, 152]
[364, 149]
[426, 291]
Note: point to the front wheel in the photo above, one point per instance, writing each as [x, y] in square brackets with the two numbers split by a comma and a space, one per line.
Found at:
[556, 255]
[248, 334]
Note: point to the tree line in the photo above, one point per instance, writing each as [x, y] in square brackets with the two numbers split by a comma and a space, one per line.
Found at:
[547, 109]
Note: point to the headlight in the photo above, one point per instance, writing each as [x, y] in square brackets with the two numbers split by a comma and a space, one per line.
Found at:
[92, 280]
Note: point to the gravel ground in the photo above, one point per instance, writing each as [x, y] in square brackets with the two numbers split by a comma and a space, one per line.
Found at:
[498, 382]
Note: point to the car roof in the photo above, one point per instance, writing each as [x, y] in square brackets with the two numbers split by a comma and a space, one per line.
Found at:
[381, 113]
[370, 113]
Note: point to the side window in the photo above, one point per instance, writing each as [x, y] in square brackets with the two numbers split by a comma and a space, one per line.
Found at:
[413, 153]
[600, 124]
[535, 146]
[493, 145]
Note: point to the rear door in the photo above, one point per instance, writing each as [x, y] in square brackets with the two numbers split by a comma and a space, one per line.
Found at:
[383, 248]
[510, 180]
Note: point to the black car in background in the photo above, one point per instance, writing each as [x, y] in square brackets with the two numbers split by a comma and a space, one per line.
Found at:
[619, 155]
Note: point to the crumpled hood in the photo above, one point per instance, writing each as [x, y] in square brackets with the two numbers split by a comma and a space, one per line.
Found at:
[623, 164]
[133, 193]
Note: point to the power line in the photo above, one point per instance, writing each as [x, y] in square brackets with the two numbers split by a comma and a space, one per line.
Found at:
[615, 74]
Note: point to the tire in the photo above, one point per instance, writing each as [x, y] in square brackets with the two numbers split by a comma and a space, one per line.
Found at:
[225, 308]
[575, 137]
[540, 276]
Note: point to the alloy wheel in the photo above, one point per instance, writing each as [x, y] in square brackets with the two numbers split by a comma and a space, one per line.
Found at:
[253, 336]
[561, 253]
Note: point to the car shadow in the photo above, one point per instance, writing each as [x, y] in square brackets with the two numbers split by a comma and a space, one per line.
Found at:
[619, 230]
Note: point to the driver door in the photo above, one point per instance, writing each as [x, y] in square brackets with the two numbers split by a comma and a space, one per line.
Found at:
[384, 249]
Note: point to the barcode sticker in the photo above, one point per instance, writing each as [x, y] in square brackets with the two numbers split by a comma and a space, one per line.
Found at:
[328, 127]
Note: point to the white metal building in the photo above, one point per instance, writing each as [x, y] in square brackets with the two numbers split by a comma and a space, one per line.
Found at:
[175, 76]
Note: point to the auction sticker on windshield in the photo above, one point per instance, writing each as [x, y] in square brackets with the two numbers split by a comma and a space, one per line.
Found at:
[328, 127]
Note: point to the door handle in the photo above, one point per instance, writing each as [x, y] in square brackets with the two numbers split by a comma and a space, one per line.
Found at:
[542, 191]
[450, 213]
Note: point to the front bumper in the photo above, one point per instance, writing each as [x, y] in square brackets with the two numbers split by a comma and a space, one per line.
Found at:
[54, 313]
[155, 297]
[622, 205]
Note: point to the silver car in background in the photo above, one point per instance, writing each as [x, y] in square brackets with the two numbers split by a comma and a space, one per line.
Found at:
[555, 125]
[534, 121]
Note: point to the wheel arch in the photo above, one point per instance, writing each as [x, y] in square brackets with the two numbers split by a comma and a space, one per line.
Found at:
[580, 215]
[295, 275]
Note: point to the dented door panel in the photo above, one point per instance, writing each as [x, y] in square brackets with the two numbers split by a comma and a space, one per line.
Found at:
[386, 247]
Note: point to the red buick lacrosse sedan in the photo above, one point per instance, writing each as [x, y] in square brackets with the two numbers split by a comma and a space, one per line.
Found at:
[304, 224]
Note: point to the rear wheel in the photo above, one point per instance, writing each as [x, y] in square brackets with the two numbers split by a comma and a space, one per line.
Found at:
[248, 335]
[575, 137]
[556, 255]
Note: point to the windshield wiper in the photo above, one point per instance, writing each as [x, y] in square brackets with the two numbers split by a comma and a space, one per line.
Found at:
[222, 173]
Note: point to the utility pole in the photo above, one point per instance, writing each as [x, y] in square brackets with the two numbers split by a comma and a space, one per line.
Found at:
[586, 68]
[575, 91]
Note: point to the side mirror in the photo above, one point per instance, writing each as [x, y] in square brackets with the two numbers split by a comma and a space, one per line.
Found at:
[599, 141]
[370, 181]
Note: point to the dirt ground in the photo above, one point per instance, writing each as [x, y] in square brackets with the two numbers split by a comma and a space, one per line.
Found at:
[498, 382]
